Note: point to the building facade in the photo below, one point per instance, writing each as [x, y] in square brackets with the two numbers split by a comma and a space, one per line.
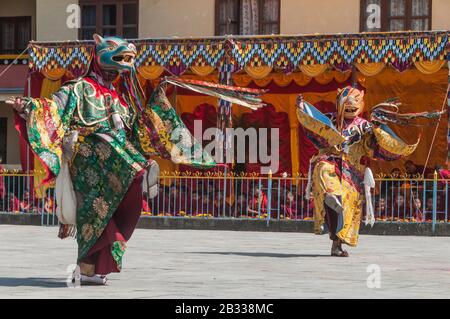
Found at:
[58, 20]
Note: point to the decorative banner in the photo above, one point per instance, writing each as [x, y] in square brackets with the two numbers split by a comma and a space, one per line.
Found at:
[399, 50]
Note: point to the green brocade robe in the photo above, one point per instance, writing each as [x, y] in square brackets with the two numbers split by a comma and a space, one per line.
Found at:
[104, 160]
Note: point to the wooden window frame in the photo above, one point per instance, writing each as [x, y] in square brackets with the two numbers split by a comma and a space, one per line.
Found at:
[386, 18]
[119, 26]
[217, 16]
[261, 15]
[239, 6]
[16, 21]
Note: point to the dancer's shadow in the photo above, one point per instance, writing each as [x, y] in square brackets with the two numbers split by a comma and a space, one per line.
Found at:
[257, 254]
[32, 282]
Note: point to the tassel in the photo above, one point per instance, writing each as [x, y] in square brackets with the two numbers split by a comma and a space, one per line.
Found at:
[369, 182]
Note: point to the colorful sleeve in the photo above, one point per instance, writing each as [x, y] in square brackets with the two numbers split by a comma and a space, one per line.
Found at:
[162, 133]
[46, 123]
[383, 144]
[318, 128]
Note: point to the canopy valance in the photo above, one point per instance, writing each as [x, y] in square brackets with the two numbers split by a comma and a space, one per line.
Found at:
[258, 56]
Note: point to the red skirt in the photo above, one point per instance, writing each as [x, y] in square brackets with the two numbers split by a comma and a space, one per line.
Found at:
[120, 228]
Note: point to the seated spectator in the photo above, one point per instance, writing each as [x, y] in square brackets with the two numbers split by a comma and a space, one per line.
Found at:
[145, 206]
[289, 206]
[417, 212]
[240, 208]
[381, 210]
[258, 202]
[26, 205]
[14, 203]
[442, 173]
[400, 207]
[440, 208]
[221, 206]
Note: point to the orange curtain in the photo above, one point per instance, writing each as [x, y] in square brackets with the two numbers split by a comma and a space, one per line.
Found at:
[418, 92]
[370, 69]
[151, 72]
[282, 80]
[429, 67]
[313, 70]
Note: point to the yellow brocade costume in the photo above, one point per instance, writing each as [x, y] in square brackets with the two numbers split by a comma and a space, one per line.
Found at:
[345, 147]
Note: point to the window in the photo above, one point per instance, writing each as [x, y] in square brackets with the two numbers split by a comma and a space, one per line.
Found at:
[395, 15]
[109, 18]
[15, 33]
[247, 17]
[3, 136]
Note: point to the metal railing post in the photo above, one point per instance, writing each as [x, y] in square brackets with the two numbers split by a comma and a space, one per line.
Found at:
[269, 196]
[433, 227]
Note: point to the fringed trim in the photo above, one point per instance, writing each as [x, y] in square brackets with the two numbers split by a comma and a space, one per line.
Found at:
[67, 231]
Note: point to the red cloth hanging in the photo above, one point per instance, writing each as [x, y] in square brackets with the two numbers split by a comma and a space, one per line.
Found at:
[268, 117]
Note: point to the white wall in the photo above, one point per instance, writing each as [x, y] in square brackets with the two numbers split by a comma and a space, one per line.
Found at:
[51, 17]
[166, 18]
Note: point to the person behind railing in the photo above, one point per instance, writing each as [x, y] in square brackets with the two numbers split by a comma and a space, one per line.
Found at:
[308, 206]
[401, 209]
[381, 209]
[145, 204]
[289, 206]
[443, 176]
[240, 209]
[440, 208]
[171, 200]
[14, 203]
[221, 206]
[49, 204]
[258, 202]
[27, 204]
[417, 210]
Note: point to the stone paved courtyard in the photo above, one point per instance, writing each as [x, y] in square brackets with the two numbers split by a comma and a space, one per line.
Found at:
[223, 264]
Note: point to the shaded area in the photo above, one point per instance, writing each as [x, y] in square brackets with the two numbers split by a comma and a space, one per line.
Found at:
[257, 254]
[32, 282]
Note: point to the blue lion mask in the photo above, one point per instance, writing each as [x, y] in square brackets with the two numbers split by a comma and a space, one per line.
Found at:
[114, 54]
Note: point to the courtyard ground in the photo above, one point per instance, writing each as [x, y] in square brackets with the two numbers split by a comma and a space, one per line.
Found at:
[225, 264]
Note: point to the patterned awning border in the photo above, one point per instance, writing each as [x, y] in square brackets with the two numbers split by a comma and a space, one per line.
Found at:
[399, 50]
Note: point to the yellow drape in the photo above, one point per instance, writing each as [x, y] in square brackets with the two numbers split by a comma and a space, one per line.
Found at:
[370, 69]
[429, 67]
[151, 72]
[202, 70]
[282, 80]
[313, 70]
[258, 72]
[418, 92]
[53, 75]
